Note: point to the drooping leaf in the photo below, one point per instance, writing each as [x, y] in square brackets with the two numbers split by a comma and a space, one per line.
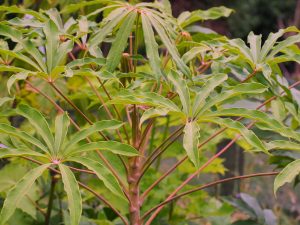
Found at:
[151, 46]
[249, 135]
[62, 123]
[73, 194]
[127, 96]
[4, 128]
[12, 79]
[187, 18]
[39, 122]
[287, 175]
[19, 191]
[181, 88]
[102, 173]
[191, 141]
[170, 45]
[206, 89]
[113, 146]
[96, 127]
[118, 46]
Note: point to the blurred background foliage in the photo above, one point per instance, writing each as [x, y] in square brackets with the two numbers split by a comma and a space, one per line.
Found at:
[260, 16]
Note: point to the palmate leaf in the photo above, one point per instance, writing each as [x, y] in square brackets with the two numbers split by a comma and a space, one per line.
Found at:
[127, 96]
[112, 146]
[284, 145]
[115, 54]
[170, 45]
[151, 46]
[19, 191]
[182, 90]
[98, 37]
[191, 141]
[186, 18]
[96, 127]
[264, 120]
[16, 36]
[13, 152]
[15, 77]
[206, 90]
[21, 57]
[249, 135]
[102, 173]
[12, 131]
[73, 194]
[240, 89]
[62, 123]
[287, 175]
[21, 10]
[40, 124]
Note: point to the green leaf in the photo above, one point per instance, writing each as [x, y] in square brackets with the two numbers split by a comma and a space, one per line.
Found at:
[21, 57]
[287, 175]
[127, 96]
[170, 45]
[4, 128]
[271, 40]
[282, 45]
[255, 46]
[21, 10]
[73, 194]
[264, 121]
[151, 46]
[119, 44]
[182, 90]
[62, 123]
[39, 122]
[5, 100]
[115, 17]
[243, 49]
[237, 90]
[12, 79]
[86, 61]
[13, 152]
[96, 127]
[195, 51]
[19, 191]
[284, 145]
[113, 146]
[187, 18]
[51, 33]
[153, 112]
[249, 135]
[191, 141]
[206, 90]
[16, 36]
[102, 173]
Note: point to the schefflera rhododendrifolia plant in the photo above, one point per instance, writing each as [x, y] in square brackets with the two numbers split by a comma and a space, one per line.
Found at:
[128, 89]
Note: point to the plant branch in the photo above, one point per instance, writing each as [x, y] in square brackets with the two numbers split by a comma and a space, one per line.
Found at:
[205, 142]
[84, 187]
[208, 185]
[78, 128]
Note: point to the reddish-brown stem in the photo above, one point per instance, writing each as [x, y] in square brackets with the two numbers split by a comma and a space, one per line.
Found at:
[101, 156]
[85, 187]
[208, 162]
[206, 186]
[103, 104]
[250, 76]
[157, 151]
[115, 108]
[134, 173]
